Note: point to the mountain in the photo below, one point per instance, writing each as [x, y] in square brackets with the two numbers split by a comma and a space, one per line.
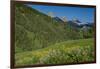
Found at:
[74, 23]
[35, 30]
[79, 24]
[58, 19]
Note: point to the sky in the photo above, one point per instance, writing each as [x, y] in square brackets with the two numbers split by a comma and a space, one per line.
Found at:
[80, 13]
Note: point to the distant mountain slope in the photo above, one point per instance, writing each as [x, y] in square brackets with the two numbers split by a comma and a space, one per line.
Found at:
[74, 23]
[35, 30]
[58, 19]
[80, 24]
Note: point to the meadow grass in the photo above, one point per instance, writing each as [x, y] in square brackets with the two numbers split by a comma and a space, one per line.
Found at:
[72, 51]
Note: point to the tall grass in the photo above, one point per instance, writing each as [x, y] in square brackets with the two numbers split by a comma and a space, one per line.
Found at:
[74, 51]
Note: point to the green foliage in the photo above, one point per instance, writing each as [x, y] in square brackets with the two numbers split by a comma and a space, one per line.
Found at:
[89, 33]
[73, 51]
[73, 56]
[35, 30]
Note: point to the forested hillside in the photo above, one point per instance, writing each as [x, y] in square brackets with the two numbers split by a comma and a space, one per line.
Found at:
[36, 30]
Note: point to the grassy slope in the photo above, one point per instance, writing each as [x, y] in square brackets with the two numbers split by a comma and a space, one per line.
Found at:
[73, 51]
[35, 30]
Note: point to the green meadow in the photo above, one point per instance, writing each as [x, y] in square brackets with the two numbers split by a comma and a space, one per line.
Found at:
[73, 51]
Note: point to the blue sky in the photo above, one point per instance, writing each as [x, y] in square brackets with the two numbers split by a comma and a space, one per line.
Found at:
[83, 14]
